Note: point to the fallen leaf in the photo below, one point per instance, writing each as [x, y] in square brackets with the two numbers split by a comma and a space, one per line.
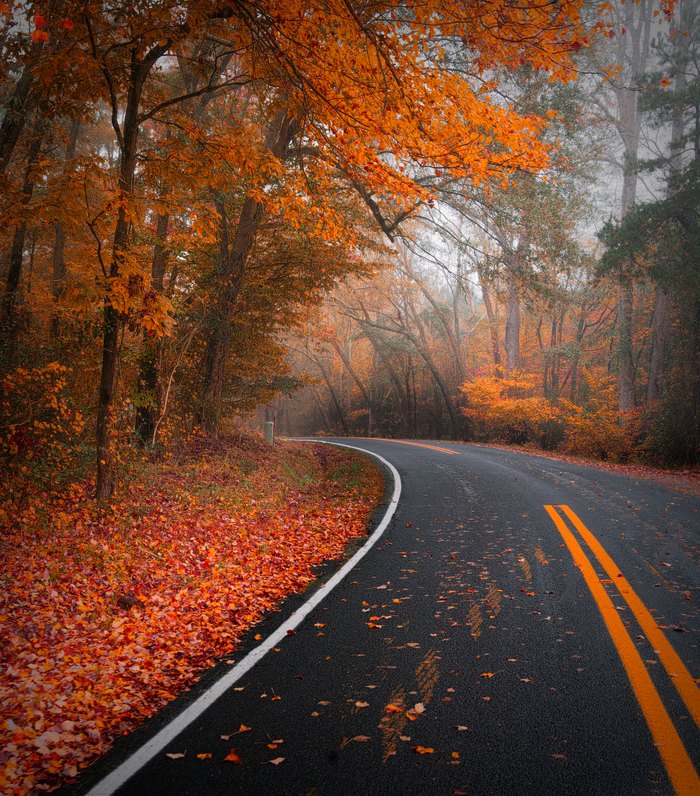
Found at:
[174, 755]
[233, 757]
[276, 761]
[487, 674]
[361, 738]
[204, 756]
[361, 704]
[423, 750]
[393, 709]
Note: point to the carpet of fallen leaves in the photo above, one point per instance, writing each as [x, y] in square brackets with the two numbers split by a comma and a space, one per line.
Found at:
[107, 616]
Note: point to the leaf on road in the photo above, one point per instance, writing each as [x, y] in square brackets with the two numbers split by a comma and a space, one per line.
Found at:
[361, 704]
[204, 756]
[233, 757]
[423, 750]
[174, 755]
[276, 761]
[361, 738]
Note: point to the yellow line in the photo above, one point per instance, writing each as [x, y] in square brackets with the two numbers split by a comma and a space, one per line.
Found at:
[417, 444]
[675, 758]
[680, 676]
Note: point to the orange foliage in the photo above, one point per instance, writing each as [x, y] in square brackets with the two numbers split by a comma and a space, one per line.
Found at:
[213, 542]
[507, 409]
[39, 428]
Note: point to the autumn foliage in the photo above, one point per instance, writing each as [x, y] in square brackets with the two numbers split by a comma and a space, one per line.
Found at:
[508, 409]
[106, 616]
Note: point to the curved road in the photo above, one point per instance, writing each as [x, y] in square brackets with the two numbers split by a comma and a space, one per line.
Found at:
[523, 626]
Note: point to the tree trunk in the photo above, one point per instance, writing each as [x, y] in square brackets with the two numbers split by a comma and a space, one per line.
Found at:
[661, 324]
[147, 411]
[58, 271]
[661, 328]
[8, 317]
[493, 324]
[512, 340]
[281, 131]
[111, 322]
[637, 37]
[334, 397]
[358, 381]
[423, 349]
[625, 355]
[18, 109]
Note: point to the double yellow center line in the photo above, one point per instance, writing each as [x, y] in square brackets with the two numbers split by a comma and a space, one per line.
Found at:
[415, 444]
[679, 766]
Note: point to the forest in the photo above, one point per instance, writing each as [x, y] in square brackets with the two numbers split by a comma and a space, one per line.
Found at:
[441, 219]
[432, 219]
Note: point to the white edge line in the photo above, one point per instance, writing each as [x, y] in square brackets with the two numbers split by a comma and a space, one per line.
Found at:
[114, 780]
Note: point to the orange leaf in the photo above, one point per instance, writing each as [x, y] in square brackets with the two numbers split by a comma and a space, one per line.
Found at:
[233, 757]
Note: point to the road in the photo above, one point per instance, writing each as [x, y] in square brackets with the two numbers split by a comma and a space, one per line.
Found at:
[523, 626]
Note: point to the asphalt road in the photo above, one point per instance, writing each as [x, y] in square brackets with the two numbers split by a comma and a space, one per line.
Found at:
[472, 650]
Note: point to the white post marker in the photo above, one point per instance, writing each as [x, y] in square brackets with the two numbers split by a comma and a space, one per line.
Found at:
[138, 759]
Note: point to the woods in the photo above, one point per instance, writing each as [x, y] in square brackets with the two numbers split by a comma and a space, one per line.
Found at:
[548, 311]
[181, 187]
[443, 219]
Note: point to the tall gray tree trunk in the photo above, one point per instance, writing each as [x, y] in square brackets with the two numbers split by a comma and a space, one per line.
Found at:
[661, 320]
[493, 323]
[512, 335]
[632, 54]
